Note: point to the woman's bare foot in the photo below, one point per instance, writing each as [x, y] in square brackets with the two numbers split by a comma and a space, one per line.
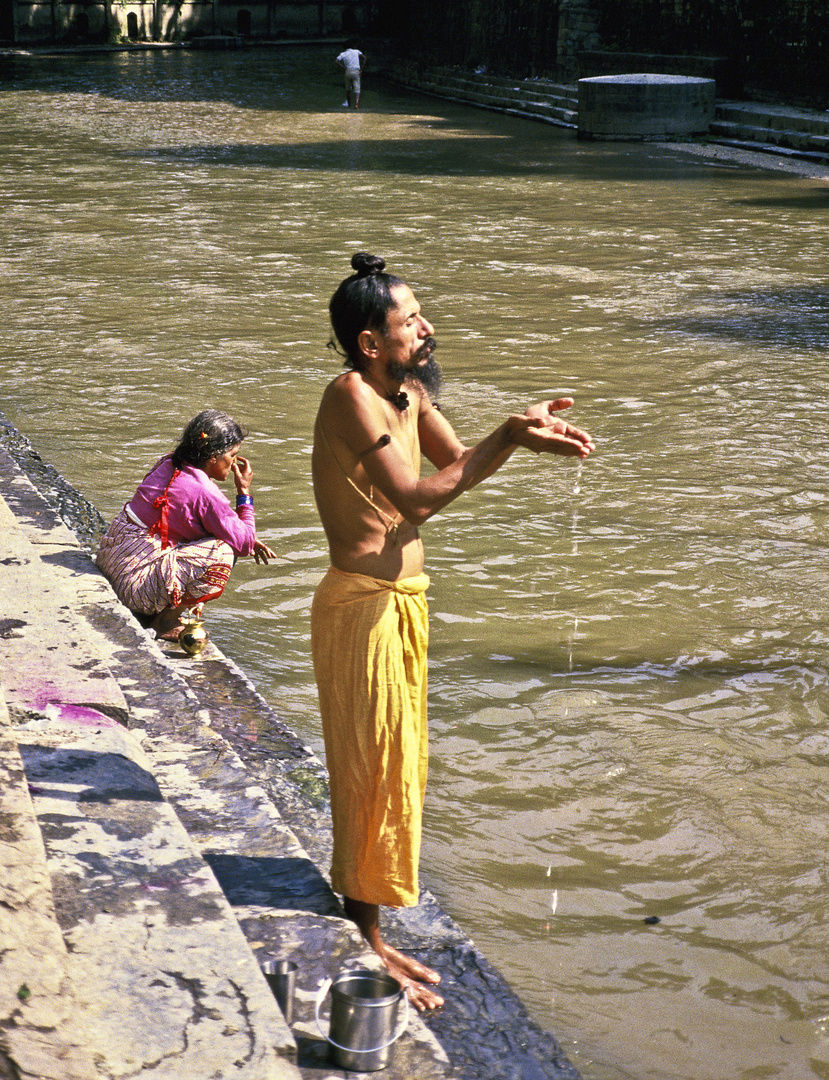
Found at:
[409, 972]
[167, 623]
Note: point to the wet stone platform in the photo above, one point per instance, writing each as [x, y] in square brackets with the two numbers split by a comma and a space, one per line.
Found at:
[645, 106]
[154, 852]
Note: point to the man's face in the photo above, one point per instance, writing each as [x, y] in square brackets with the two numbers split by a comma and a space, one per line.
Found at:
[406, 340]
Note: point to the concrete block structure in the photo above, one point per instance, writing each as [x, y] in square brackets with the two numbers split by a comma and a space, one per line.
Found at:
[645, 106]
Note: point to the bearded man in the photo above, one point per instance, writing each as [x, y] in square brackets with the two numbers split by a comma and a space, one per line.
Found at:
[369, 621]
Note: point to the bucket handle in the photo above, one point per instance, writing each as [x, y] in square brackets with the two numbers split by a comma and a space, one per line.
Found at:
[325, 986]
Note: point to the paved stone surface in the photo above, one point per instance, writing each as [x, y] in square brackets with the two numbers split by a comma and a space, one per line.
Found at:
[48, 654]
[39, 1037]
[109, 910]
[163, 979]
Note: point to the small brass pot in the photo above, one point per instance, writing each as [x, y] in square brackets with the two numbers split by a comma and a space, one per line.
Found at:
[194, 637]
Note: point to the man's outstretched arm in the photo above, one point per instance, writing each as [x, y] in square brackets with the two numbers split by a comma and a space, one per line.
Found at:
[441, 445]
[362, 425]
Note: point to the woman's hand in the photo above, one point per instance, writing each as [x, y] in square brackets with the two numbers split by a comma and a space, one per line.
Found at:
[242, 475]
[261, 552]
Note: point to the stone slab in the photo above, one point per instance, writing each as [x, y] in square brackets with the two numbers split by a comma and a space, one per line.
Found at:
[720, 68]
[48, 654]
[322, 947]
[644, 106]
[163, 979]
[776, 117]
[38, 1038]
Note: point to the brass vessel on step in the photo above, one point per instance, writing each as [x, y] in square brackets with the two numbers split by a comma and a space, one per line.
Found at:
[194, 637]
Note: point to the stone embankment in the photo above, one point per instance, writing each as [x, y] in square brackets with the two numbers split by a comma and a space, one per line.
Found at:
[162, 832]
[799, 134]
[532, 99]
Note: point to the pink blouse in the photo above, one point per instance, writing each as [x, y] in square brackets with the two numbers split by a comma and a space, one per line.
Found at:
[196, 508]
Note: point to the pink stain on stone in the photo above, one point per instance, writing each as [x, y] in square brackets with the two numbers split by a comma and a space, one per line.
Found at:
[45, 697]
[78, 714]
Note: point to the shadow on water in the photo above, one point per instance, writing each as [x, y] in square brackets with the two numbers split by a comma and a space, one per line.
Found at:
[816, 198]
[792, 318]
[459, 156]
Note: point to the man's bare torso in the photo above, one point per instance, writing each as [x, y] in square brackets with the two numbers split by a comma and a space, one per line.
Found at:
[366, 533]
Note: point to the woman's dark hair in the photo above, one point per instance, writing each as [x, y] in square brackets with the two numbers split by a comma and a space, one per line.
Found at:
[362, 302]
[210, 433]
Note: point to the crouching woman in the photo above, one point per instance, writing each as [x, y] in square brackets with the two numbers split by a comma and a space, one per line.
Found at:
[173, 545]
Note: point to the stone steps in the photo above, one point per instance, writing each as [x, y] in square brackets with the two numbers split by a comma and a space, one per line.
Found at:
[41, 1034]
[775, 128]
[148, 931]
[773, 117]
[749, 125]
[154, 970]
[536, 99]
[145, 872]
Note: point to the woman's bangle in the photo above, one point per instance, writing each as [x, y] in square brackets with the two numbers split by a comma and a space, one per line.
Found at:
[244, 500]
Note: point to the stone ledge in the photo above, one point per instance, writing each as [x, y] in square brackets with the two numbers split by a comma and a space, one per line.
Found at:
[38, 1033]
[529, 99]
[606, 62]
[644, 106]
[147, 926]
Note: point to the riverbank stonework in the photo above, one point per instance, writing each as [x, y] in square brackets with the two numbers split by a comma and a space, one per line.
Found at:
[779, 137]
[163, 832]
[96, 22]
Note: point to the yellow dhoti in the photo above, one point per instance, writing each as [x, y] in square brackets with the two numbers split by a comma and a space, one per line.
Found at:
[369, 639]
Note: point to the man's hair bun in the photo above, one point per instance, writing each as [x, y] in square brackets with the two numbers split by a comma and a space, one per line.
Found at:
[365, 265]
[362, 302]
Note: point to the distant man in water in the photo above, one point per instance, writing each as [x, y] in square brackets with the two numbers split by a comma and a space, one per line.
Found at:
[353, 62]
[369, 621]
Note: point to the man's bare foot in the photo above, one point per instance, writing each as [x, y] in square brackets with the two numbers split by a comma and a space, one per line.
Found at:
[409, 972]
[412, 975]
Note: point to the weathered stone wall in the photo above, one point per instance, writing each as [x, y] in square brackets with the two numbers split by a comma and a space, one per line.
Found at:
[511, 37]
[102, 21]
[578, 29]
[780, 46]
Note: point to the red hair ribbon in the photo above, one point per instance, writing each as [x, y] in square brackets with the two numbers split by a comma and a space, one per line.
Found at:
[162, 527]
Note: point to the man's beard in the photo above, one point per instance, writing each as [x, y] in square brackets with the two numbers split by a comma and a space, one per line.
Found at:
[428, 375]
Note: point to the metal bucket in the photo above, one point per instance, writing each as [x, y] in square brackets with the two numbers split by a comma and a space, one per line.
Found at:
[365, 1018]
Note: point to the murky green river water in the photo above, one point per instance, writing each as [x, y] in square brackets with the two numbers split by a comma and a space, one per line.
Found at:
[629, 656]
